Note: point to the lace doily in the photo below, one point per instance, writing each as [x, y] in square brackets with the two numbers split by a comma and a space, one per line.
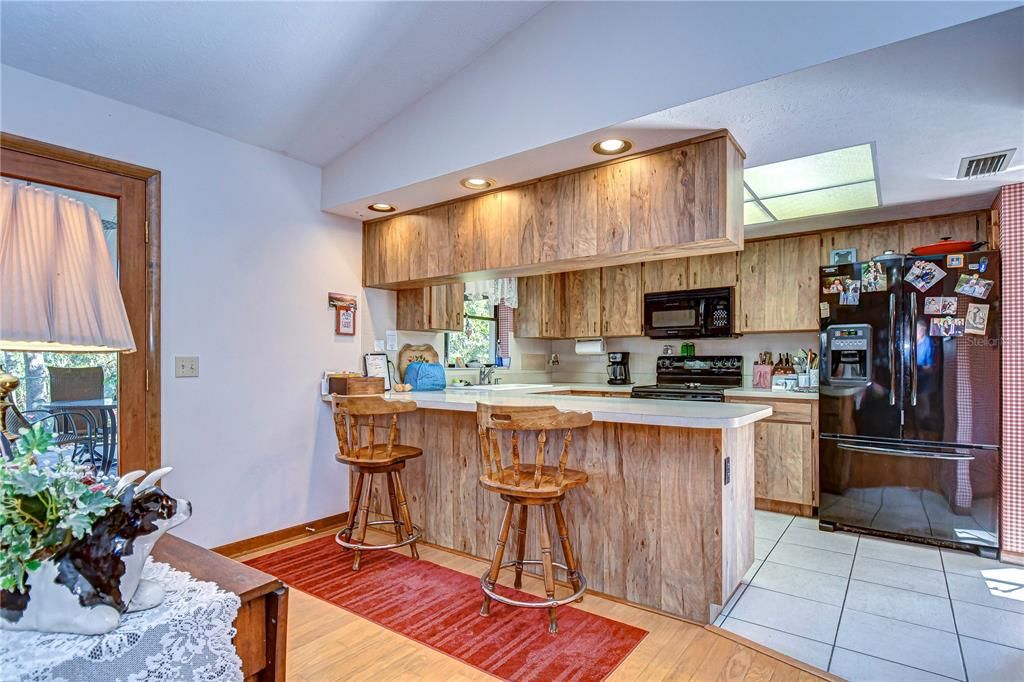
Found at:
[187, 637]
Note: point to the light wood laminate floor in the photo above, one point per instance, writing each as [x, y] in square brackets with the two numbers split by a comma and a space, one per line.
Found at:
[322, 639]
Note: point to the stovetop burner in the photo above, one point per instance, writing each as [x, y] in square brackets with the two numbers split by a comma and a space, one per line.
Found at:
[701, 377]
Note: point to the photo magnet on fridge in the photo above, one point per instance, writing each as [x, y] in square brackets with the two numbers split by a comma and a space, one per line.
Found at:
[977, 318]
[833, 285]
[946, 326]
[973, 285]
[955, 260]
[924, 275]
[872, 277]
[851, 292]
[940, 305]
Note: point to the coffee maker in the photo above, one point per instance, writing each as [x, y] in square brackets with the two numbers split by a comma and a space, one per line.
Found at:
[618, 369]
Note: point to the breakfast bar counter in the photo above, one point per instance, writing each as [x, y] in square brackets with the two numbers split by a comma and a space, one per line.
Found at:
[665, 521]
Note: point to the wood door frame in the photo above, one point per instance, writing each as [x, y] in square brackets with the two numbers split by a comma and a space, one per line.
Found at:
[109, 176]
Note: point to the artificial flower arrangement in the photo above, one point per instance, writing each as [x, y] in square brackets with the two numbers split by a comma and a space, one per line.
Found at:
[73, 544]
[44, 508]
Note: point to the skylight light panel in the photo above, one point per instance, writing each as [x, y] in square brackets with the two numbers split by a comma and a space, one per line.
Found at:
[817, 202]
[818, 171]
[754, 214]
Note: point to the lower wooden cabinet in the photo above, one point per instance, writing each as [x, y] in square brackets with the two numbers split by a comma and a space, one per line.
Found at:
[786, 455]
[435, 308]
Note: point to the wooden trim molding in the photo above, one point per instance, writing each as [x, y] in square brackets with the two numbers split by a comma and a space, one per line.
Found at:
[138, 186]
[760, 648]
[276, 537]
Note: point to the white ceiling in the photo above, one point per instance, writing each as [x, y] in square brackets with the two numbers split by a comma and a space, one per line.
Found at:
[308, 79]
[924, 102]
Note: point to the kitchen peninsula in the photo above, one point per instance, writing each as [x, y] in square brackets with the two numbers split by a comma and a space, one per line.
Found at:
[666, 520]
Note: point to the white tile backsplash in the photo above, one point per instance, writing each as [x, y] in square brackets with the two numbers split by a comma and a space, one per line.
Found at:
[644, 352]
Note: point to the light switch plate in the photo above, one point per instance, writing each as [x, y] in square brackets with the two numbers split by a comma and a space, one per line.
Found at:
[186, 366]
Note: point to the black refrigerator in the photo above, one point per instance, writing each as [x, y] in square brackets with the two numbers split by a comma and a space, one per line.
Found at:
[909, 398]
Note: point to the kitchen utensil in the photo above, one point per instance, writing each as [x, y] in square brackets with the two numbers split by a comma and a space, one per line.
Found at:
[947, 245]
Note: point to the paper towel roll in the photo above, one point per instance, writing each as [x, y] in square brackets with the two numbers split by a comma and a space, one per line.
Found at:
[590, 347]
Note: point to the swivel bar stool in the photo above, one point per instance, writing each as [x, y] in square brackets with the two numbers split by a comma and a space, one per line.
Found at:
[368, 458]
[530, 485]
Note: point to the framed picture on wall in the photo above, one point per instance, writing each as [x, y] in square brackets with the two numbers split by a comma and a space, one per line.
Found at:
[843, 256]
[344, 313]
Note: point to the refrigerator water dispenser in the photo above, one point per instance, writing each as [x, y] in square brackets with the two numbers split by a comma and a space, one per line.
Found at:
[848, 354]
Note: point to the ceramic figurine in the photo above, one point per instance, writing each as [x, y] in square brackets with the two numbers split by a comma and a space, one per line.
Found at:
[84, 588]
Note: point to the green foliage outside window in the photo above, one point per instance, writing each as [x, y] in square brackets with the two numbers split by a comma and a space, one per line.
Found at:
[476, 342]
[30, 368]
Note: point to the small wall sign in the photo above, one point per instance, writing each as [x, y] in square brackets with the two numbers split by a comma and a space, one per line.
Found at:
[344, 313]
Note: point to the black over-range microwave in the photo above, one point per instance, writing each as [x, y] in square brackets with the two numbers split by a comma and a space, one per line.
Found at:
[689, 314]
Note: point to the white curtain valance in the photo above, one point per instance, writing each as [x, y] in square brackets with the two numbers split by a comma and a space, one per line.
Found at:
[494, 290]
[58, 290]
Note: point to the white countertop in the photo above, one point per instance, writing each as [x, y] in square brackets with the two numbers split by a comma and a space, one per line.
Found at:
[623, 410]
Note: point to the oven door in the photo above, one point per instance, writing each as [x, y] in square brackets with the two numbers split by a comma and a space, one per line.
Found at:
[673, 315]
[944, 494]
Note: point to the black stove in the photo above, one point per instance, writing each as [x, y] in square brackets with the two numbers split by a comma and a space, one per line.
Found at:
[694, 377]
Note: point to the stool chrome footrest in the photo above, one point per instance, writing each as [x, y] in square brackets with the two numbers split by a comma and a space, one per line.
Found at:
[547, 603]
[369, 548]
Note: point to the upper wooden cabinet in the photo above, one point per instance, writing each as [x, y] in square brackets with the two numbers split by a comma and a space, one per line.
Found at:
[582, 304]
[904, 236]
[436, 308]
[778, 288]
[683, 199]
[666, 275]
[541, 299]
[622, 301]
[696, 272]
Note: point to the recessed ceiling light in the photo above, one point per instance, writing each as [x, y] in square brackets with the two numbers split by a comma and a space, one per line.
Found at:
[476, 183]
[612, 147]
[381, 207]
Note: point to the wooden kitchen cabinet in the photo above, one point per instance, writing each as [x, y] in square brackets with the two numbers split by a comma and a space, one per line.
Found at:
[778, 288]
[785, 455]
[582, 303]
[966, 227]
[716, 270]
[541, 301]
[869, 242]
[666, 275]
[622, 310]
[436, 308]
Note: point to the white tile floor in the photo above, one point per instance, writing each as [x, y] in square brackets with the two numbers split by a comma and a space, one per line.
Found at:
[870, 609]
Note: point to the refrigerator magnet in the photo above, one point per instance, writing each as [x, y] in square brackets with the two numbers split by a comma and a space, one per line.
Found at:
[977, 318]
[946, 326]
[955, 260]
[924, 275]
[833, 285]
[872, 277]
[973, 285]
[823, 308]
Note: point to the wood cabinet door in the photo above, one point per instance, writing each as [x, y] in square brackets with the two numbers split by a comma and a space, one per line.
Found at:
[779, 285]
[923, 232]
[783, 462]
[717, 270]
[666, 275]
[622, 300]
[531, 301]
[413, 309]
[869, 242]
[447, 305]
[582, 303]
[552, 306]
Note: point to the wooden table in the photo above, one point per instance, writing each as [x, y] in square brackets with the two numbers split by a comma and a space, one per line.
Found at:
[262, 619]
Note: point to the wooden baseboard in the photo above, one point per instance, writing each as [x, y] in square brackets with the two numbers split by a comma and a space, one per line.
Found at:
[1009, 557]
[276, 537]
[760, 648]
[784, 507]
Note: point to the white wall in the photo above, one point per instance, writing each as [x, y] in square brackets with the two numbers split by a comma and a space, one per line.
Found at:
[576, 67]
[247, 261]
[644, 352]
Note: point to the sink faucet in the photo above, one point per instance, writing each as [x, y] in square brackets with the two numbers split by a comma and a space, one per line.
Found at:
[486, 375]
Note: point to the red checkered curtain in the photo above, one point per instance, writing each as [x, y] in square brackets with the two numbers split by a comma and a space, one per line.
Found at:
[1011, 229]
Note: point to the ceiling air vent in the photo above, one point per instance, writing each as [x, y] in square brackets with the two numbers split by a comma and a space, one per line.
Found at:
[984, 164]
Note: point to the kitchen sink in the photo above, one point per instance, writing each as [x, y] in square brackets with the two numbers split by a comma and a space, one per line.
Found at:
[497, 387]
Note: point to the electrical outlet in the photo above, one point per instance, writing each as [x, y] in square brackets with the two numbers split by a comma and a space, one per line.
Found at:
[186, 366]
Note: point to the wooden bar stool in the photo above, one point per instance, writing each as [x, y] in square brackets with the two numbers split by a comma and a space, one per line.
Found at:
[369, 458]
[530, 485]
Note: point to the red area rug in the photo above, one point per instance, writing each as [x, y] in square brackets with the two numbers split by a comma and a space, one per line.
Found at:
[440, 607]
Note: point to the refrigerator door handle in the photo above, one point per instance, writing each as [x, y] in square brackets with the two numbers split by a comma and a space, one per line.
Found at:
[913, 349]
[902, 453]
[892, 348]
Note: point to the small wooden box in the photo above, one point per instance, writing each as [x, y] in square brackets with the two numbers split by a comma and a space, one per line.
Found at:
[356, 385]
